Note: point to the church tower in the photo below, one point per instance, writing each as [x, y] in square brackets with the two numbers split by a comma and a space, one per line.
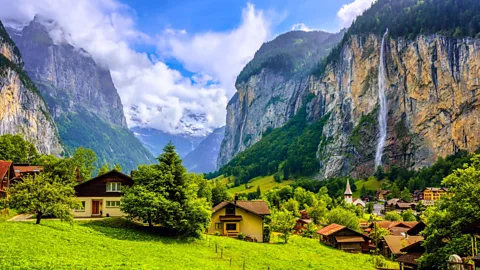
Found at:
[348, 193]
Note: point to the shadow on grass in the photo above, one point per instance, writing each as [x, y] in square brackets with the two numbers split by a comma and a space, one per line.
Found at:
[122, 229]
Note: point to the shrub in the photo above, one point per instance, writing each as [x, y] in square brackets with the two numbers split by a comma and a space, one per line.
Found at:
[241, 236]
[266, 234]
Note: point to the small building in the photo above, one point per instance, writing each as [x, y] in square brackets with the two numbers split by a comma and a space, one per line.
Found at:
[302, 222]
[382, 195]
[22, 170]
[409, 260]
[343, 238]
[394, 227]
[417, 229]
[6, 173]
[359, 202]
[417, 195]
[393, 244]
[230, 218]
[101, 195]
[399, 205]
[434, 193]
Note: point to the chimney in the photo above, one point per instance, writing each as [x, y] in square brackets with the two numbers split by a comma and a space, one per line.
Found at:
[236, 198]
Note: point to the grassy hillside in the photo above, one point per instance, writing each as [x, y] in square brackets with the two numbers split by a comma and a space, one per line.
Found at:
[265, 183]
[102, 244]
[371, 183]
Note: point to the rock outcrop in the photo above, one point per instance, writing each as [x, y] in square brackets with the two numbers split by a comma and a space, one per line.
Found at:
[22, 108]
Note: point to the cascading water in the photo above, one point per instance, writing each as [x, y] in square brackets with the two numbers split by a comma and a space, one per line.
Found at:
[382, 115]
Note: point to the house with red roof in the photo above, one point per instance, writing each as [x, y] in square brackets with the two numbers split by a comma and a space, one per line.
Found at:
[230, 218]
[302, 222]
[343, 238]
[6, 173]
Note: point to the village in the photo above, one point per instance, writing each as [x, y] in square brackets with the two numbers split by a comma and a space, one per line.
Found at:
[398, 241]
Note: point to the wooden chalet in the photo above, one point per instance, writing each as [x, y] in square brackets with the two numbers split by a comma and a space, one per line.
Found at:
[399, 205]
[394, 227]
[101, 195]
[302, 222]
[382, 195]
[411, 254]
[417, 229]
[6, 173]
[392, 244]
[230, 218]
[343, 238]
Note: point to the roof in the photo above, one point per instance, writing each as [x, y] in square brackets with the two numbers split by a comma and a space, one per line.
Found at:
[405, 204]
[330, 229]
[415, 230]
[386, 224]
[396, 243]
[348, 191]
[415, 247]
[105, 174]
[436, 188]
[304, 220]
[24, 169]
[393, 201]
[349, 239]
[4, 166]
[383, 192]
[257, 207]
[473, 227]
[410, 258]
[359, 201]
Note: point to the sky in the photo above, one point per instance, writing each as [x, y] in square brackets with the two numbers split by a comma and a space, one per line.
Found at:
[173, 62]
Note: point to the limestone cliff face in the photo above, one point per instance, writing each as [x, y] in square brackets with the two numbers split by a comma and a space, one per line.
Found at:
[433, 102]
[22, 109]
[67, 77]
[272, 87]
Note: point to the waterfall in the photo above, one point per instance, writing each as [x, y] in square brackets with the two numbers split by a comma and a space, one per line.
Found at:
[382, 115]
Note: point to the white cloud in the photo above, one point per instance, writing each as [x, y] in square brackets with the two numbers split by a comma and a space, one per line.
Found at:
[349, 12]
[153, 94]
[301, 27]
[219, 55]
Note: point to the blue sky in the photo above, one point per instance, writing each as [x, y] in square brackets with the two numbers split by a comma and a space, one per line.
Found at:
[170, 59]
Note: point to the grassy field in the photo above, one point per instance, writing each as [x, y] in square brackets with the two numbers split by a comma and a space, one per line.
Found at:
[265, 183]
[369, 184]
[111, 244]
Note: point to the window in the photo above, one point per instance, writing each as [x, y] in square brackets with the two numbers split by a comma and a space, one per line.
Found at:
[114, 186]
[113, 203]
[81, 208]
[231, 227]
[218, 226]
[230, 210]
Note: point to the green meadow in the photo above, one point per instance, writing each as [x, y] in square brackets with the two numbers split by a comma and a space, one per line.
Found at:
[117, 244]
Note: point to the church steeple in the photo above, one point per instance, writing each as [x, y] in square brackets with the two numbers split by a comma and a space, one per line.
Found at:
[348, 193]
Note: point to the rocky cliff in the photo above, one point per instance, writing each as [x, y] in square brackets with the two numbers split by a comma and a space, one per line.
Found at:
[432, 95]
[22, 109]
[271, 88]
[80, 93]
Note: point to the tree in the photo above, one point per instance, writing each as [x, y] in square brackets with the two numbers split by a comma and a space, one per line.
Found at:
[283, 222]
[408, 215]
[450, 215]
[84, 159]
[369, 207]
[219, 193]
[44, 196]
[172, 197]
[318, 211]
[405, 195]
[204, 188]
[259, 192]
[378, 233]
[344, 217]
[292, 206]
[393, 216]
[104, 169]
[420, 208]
[15, 148]
[395, 191]
[118, 167]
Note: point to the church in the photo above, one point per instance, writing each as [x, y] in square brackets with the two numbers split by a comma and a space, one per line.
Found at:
[349, 199]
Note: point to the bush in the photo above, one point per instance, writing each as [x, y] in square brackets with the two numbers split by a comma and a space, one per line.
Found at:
[241, 236]
[266, 234]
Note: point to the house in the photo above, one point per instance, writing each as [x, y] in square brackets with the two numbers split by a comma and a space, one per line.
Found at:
[343, 238]
[394, 227]
[6, 173]
[359, 202]
[22, 170]
[434, 193]
[101, 195]
[382, 195]
[302, 222]
[412, 253]
[392, 244]
[417, 229]
[399, 205]
[417, 195]
[230, 218]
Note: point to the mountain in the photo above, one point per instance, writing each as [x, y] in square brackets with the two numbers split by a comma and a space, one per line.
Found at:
[80, 94]
[22, 108]
[271, 87]
[422, 78]
[203, 158]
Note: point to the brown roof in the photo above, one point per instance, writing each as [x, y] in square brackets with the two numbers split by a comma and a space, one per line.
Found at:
[304, 220]
[410, 258]
[349, 239]
[257, 207]
[405, 205]
[332, 228]
[25, 169]
[386, 224]
[4, 166]
[383, 192]
[396, 243]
